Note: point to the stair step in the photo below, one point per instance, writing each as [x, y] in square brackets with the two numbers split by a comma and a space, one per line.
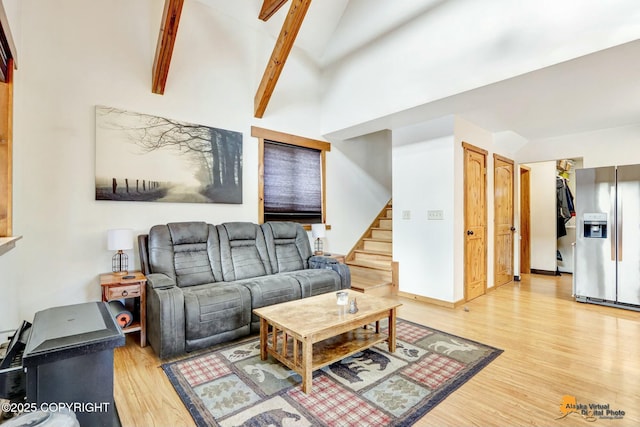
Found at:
[377, 245]
[381, 233]
[372, 256]
[376, 265]
[366, 273]
[381, 253]
[386, 223]
[376, 289]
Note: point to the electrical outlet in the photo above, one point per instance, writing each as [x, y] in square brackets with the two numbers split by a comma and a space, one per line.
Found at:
[406, 214]
[435, 215]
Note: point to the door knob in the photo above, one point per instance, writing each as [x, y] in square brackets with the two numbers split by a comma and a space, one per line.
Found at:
[469, 232]
[513, 229]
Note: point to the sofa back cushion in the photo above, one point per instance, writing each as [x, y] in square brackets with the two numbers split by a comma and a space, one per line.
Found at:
[243, 251]
[188, 252]
[287, 245]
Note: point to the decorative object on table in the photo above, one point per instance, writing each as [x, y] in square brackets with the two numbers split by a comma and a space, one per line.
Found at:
[342, 297]
[120, 239]
[372, 387]
[318, 233]
[146, 158]
[353, 306]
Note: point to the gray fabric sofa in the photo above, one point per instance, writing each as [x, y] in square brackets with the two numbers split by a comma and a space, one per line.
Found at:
[204, 280]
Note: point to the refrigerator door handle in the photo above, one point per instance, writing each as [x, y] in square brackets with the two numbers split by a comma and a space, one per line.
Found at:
[613, 237]
[619, 227]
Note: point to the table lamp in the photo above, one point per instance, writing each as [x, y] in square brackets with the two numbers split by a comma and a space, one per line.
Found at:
[318, 232]
[120, 239]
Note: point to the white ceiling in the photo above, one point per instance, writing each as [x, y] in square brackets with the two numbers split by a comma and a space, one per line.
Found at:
[596, 91]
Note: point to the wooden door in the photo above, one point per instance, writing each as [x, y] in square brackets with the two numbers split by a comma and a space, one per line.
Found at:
[475, 221]
[503, 220]
[525, 221]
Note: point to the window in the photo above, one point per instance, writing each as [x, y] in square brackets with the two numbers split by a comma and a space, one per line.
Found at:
[291, 177]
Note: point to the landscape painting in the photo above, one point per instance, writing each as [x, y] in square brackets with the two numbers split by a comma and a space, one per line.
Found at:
[140, 157]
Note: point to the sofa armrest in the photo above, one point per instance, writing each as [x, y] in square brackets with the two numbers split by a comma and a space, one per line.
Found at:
[319, 261]
[160, 281]
[165, 316]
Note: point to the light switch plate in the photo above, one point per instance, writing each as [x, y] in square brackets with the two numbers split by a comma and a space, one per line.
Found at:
[406, 214]
[435, 215]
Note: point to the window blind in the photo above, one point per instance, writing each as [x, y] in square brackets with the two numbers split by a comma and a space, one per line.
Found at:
[292, 183]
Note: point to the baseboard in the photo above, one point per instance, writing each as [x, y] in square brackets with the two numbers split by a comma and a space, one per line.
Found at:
[428, 300]
[543, 272]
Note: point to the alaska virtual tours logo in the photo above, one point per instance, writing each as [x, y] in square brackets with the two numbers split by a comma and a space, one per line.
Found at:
[590, 412]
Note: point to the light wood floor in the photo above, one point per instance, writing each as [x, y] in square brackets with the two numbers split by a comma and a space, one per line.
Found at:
[552, 346]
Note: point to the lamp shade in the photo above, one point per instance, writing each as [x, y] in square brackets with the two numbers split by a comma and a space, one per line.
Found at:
[318, 230]
[119, 239]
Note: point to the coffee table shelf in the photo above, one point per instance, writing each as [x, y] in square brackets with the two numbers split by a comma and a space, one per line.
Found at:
[329, 350]
[308, 334]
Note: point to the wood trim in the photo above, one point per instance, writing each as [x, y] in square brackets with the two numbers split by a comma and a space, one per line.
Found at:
[395, 277]
[6, 154]
[502, 158]
[287, 138]
[279, 56]
[300, 141]
[260, 180]
[525, 220]
[544, 272]
[468, 146]
[498, 158]
[433, 301]
[323, 183]
[166, 41]
[269, 8]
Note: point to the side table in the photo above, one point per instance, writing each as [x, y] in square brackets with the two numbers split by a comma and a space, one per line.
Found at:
[115, 287]
[338, 257]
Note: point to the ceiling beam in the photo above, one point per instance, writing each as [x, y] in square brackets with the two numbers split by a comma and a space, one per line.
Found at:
[281, 50]
[269, 7]
[166, 40]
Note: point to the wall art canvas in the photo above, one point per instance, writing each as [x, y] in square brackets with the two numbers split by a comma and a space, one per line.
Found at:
[140, 157]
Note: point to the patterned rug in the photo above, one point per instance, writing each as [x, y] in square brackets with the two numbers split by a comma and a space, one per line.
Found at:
[231, 386]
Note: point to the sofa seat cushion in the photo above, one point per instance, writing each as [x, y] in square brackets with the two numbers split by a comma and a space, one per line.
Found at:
[215, 308]
[316, 281]
[272, 289]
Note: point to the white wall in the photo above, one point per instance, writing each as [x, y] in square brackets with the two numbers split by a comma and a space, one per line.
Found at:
[103, 54]
[543, 235]
[362, 167]
[444, 50]
[428, 175]
[424, 249]
[605, 147]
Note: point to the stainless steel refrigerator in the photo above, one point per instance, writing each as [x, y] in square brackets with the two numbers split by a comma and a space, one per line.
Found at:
[607, 251]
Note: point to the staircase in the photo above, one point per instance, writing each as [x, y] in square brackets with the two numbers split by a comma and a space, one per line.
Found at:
[373, 270]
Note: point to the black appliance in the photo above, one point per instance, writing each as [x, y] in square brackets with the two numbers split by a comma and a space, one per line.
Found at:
[69, 360]
[12, 376]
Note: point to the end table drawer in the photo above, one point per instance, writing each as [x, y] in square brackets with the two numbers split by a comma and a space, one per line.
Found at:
[124, 292]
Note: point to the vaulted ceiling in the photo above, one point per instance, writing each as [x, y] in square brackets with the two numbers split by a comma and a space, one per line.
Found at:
[593, 91]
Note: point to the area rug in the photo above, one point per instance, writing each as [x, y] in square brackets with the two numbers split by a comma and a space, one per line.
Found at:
[231, 386]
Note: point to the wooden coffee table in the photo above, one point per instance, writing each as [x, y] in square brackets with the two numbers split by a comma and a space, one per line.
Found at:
[310, 333]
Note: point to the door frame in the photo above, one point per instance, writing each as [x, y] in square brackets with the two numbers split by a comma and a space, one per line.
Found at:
[468, 147]
[525, 220]
[496, 158]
